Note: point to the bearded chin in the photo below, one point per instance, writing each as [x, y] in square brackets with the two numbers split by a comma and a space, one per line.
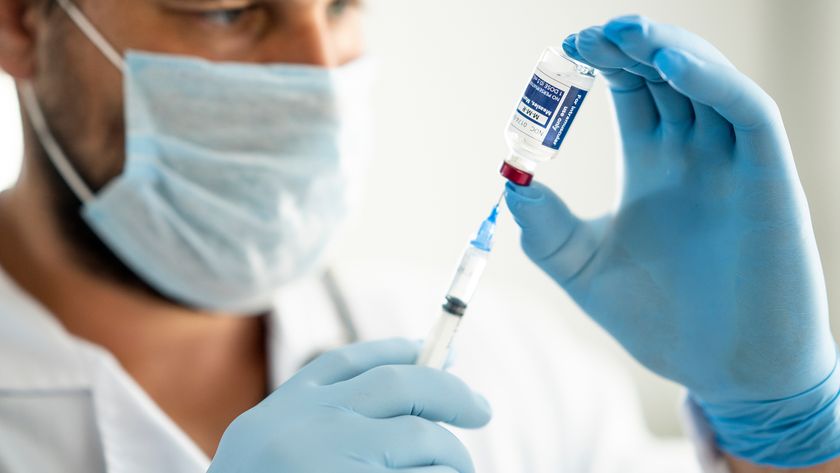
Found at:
[85, 246]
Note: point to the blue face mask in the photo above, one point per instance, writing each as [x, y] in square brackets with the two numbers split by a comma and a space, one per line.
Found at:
[236, 175]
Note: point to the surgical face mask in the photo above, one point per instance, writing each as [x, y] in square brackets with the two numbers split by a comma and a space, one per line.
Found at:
[236, 175]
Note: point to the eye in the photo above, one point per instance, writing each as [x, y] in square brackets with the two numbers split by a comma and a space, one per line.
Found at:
[227, 17]
[338, 8]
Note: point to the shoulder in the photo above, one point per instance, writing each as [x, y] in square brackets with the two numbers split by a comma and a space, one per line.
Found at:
[46, 408]
[49, 431]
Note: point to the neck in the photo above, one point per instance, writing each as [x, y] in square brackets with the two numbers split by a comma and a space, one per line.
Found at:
[40, 261]
[142, 331]
[185, 360]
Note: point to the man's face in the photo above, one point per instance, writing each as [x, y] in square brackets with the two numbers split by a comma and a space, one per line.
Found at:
[82, 92]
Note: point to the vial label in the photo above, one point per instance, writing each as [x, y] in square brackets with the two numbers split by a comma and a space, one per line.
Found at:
[547, 109]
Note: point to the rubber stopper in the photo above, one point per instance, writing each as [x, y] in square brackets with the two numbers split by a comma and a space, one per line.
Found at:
[516, 176]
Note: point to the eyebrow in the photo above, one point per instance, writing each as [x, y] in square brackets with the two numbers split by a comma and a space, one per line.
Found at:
[232, 4]
[220, 3]
[223, 3]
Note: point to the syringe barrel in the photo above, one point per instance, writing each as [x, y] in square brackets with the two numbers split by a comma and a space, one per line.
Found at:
[437, 345]
[470, 268]
[467, 276]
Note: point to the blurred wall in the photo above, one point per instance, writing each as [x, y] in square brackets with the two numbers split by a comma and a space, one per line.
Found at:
[450, 73]
[800, 69]
[10, 135]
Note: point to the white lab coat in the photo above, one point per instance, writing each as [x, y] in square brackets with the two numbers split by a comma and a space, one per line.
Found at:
[66, 405]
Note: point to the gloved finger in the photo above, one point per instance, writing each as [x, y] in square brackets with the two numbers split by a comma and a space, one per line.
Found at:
[350, 361]
[429, 469]
[617, 78]
[412, 442]
[672, 108]
[675, 110]
[711, 130]
[393, 391]
[732, 94]
[635, 108]
[555, 239]
[600, 51]
[640, 38]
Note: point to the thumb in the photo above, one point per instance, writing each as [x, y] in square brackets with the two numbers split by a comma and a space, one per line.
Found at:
[552, 236]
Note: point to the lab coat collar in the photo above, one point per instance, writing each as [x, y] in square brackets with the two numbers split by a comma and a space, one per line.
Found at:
[37, 355]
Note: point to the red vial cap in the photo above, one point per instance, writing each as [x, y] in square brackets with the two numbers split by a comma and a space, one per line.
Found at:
[516, 176]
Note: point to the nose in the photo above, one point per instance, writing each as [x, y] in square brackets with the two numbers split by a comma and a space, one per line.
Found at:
[308, 41]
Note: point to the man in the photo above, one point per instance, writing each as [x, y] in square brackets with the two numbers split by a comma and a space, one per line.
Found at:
[184, 162]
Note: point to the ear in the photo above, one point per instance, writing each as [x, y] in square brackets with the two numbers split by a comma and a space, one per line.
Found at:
[17, 37]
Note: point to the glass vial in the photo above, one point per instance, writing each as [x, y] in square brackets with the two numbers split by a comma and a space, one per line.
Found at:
[545, 113]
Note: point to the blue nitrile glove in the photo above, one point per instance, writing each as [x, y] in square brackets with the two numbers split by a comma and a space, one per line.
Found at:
[365, 408]
[708, 271]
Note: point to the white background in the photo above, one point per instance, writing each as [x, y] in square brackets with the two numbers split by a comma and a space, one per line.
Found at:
[450, 73]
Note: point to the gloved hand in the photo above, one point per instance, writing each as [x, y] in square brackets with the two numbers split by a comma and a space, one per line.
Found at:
[708, 271]
[363, 408]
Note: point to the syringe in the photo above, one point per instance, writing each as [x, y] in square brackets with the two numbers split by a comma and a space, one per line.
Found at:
[473, 261]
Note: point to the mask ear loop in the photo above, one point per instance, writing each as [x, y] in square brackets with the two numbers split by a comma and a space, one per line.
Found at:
[92, 33]
[36, 115]
[54, 151]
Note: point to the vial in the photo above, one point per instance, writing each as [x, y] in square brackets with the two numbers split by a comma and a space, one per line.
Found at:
[545, 113]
